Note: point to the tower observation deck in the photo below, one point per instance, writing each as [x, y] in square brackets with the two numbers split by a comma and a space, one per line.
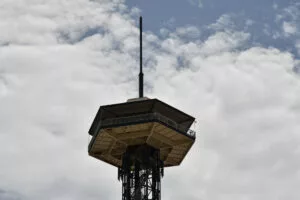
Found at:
[141, 137]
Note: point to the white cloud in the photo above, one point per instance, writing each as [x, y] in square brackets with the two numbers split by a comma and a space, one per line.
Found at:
[224, 22]
[197, 3]
[6, 195]
[288, 18]
[267, 30]
[297, 45]
[246, 102]
[164, 32]
[190, 31]
[224, 41]
[289, 28]
[170, 23]
[249, 22]
[135, 12]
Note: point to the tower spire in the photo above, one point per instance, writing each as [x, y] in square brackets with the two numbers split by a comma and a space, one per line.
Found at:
[141, 75]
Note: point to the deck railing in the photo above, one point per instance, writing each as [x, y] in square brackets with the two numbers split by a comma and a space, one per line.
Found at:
[145, 118]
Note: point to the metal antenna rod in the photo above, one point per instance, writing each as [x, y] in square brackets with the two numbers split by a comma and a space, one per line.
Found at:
[141, 75]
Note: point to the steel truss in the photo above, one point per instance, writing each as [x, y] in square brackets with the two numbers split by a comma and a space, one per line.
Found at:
[141, 173]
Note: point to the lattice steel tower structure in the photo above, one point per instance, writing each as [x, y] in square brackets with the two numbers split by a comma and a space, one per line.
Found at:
[141, 137]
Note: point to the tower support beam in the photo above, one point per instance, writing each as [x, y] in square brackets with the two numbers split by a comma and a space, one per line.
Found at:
[141, 173]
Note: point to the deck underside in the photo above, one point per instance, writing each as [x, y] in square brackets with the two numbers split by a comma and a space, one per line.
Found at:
[111, 143]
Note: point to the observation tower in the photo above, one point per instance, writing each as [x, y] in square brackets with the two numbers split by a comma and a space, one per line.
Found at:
[141, 137]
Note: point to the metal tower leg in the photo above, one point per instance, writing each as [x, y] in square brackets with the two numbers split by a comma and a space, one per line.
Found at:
[141, 173]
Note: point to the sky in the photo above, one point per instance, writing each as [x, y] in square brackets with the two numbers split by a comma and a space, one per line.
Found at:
[234, 65]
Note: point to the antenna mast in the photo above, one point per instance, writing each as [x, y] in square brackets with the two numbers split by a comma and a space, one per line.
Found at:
[141, 75]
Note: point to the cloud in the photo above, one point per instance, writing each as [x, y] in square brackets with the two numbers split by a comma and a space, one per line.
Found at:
[197, 3]
[289, 19]
[232, 22]
[289, 28]
[5, 195]
[170, 23]
[191, 32]
[224, 22]
[275, 6]
[297, 46]
[249, 22]
[69, 57]
[224, 41]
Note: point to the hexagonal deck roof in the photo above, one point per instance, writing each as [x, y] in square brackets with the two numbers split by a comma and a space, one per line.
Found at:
[141, 107]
